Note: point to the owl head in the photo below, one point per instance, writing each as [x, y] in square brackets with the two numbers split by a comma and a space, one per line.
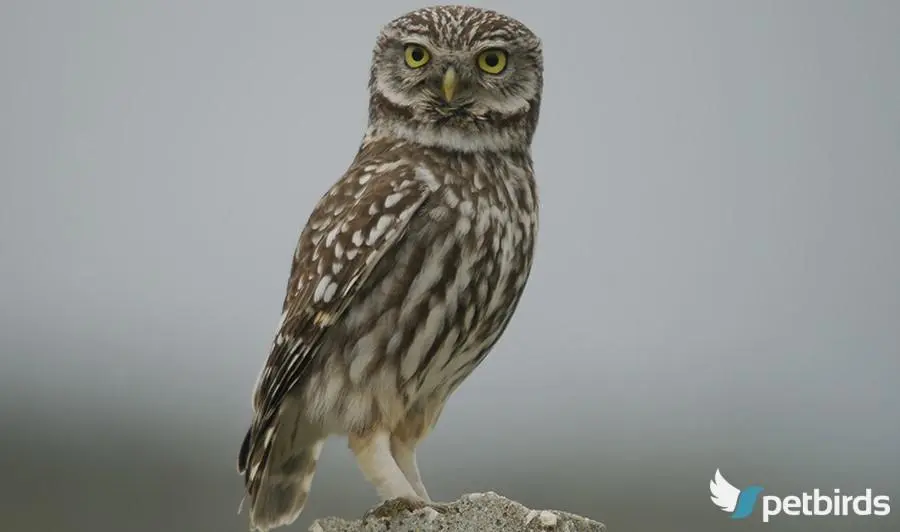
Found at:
[457, 77]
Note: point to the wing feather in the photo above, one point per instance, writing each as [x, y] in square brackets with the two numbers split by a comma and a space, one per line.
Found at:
[350, 230]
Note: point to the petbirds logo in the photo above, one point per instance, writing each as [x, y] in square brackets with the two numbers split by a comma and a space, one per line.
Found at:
[730, 499]
[741, 502]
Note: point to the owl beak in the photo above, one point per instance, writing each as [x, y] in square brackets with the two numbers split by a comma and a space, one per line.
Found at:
[448, 85]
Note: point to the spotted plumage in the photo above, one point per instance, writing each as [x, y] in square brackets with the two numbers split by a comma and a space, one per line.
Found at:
[411, 265]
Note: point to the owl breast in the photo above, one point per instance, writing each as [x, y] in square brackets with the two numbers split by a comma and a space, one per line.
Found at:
[435, 306]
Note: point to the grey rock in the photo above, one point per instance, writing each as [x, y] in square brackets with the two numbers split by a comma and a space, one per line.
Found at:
[475, 512]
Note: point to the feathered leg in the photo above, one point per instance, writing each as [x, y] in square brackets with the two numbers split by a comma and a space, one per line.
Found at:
[373, 455]
[407, 435]
[404, 453]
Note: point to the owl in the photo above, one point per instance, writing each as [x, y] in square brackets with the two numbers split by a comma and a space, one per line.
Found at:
[410, 267]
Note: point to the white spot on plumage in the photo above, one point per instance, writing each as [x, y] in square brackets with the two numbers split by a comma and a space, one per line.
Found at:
[386, 168]
[338, 250]
[352, 253]
[321, 287]
[393, 199]
[380, 227]
[329, 292]
[408, 212]
[363, 179]
[329, 240]
[357, 238]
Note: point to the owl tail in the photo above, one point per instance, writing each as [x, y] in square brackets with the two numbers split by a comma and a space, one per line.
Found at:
[278, 463]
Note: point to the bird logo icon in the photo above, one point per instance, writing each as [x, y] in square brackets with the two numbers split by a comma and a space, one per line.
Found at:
[730, 499]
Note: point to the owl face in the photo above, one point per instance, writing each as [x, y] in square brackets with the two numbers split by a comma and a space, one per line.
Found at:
[457, 72]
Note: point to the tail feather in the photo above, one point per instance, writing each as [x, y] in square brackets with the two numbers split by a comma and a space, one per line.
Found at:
[278, 464]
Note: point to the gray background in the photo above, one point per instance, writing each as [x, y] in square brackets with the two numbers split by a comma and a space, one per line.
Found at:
[717, 281]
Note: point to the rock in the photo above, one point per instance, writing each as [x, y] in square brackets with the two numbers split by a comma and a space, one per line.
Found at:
[475, 512]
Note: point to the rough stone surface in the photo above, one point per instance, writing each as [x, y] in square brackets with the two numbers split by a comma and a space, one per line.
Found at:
[476, 512]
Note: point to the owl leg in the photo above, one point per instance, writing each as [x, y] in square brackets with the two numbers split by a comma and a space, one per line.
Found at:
[407, 435]
[404, 439]
[373, 455]
[404, 453]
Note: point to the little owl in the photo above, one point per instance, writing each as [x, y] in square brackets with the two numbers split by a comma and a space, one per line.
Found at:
[411, 265]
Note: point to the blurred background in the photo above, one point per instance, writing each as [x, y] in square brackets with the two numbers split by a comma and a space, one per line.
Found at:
[717, 282]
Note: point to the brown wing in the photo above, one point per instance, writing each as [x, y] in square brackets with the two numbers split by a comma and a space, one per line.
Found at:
[351, 228]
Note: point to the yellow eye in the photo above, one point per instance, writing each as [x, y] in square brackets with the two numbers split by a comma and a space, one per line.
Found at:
[416, 56]
[492, 61]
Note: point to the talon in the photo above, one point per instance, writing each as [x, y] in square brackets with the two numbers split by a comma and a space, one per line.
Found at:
[393, 507]
[439, 507]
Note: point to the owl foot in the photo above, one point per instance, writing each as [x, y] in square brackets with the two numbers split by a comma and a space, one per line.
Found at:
[392, 508]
